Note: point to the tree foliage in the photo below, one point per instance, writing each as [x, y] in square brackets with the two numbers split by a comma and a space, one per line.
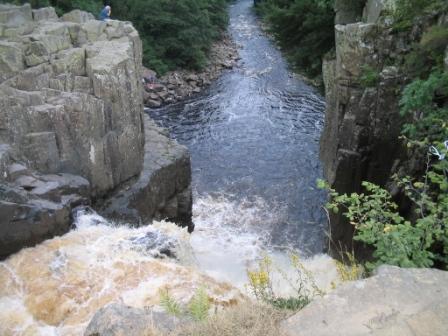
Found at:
[175, 33]
[304, 29]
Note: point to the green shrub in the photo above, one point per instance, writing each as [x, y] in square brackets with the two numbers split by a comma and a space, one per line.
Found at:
[398, 241]
[369, 77]
[419, 103]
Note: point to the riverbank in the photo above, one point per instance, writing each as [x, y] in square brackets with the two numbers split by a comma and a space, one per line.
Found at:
[176, 86]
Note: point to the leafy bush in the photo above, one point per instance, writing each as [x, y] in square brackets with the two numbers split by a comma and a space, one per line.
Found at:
[407, 10]
[419, 102]
[397, 241]
[304, 29]
[369, 76]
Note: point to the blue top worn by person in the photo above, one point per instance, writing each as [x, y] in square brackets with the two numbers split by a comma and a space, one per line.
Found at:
[105, 14]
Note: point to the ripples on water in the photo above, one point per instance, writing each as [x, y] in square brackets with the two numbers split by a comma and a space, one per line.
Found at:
[253, 135]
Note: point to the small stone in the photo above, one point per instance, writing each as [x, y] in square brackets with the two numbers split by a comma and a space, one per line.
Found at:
[153, 103]
[116, 319]
[192, 78]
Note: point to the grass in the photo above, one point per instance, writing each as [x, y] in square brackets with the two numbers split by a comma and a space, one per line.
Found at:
[245, 319]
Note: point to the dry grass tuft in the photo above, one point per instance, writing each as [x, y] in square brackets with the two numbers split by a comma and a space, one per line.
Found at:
[246, 319]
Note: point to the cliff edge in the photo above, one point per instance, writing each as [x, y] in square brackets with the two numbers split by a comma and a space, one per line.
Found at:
[71, 119]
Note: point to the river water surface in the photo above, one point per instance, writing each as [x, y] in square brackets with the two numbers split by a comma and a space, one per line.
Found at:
[253, 137]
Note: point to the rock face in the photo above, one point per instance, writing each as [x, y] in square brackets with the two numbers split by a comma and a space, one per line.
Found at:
[162, 191]
[362, 123]
[398, 302]
[119, 320]
[71, 119]
[76, 106]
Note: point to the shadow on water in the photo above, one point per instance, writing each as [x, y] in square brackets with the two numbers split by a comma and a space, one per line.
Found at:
[254, 135]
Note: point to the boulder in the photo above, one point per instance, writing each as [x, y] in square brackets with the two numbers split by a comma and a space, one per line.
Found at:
[399, 302]
[26, 221]
[36, 207]
[153, 103]
[116, 319]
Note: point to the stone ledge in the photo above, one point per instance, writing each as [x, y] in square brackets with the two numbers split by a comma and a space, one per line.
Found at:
[398, 302]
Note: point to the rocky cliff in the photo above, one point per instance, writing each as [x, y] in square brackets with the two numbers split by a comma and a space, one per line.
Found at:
[363, 85]
[71, 120]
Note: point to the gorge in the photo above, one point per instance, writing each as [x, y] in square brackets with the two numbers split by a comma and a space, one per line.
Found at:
[84, 169]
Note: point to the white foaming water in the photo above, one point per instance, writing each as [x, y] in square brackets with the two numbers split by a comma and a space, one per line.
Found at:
[57, 286]
[231, 237]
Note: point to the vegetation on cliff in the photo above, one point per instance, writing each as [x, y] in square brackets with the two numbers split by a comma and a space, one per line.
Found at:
[175, 33]
[416, 238]
[304, 30]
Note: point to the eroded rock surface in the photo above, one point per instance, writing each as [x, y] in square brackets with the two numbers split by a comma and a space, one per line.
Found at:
[162, 191]
[398, 302]
[120, 320]
[71, 121]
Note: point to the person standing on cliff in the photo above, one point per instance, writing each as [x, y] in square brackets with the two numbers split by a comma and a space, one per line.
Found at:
[105, 13]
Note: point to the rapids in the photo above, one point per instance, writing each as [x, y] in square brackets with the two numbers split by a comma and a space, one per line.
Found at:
[57, 286]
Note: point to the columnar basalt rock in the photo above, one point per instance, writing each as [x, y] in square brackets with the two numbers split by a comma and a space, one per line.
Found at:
[162, 191]
[360, 140]
[70, 105]
[362, 126]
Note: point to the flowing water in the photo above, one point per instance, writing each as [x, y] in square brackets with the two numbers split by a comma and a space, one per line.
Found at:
[253, 137]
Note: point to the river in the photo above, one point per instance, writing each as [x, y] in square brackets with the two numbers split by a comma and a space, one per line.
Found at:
[253, 137]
